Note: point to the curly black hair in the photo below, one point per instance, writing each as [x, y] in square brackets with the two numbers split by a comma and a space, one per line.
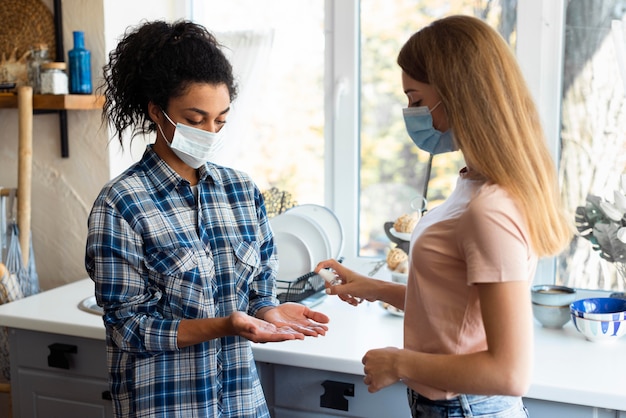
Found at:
[157, 61]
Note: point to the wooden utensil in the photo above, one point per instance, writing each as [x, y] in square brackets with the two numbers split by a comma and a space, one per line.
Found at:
[25, 165]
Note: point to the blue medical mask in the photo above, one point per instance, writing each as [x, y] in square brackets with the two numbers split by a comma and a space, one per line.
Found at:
[419, 125]
[192, 145]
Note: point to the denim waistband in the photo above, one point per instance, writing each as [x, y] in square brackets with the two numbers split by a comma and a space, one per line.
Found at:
[443, 402]
[469, 405]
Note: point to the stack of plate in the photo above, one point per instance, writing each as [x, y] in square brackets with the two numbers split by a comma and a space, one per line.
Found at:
[305, 235]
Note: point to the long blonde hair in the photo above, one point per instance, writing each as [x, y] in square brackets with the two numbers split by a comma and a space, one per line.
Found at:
[493, 116]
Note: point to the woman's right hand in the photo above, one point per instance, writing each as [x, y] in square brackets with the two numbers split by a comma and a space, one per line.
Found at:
[194, 331]
[354, 287]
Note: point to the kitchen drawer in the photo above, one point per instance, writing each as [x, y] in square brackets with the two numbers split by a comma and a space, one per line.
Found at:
[291, 413]
[547, 409]
[301, 389]
[63, 354]
[51, 395]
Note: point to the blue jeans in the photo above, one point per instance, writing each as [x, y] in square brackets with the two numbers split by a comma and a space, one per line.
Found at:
[467, 406]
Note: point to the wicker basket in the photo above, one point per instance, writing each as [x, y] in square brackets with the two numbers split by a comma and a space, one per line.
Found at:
[25, 23]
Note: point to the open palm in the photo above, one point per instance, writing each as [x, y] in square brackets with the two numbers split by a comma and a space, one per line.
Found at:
[299, 318]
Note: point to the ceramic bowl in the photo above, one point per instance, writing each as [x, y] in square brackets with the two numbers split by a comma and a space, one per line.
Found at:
[599, 331]
[399, 277]
[551, 316]
[619, 295]
[552, 295]
[602, 309]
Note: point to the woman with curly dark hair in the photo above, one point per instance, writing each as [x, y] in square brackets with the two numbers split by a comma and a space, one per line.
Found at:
[179, 248]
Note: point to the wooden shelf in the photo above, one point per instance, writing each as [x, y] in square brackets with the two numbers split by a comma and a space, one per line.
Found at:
[55, 102]
[60, 104]
[4, 191]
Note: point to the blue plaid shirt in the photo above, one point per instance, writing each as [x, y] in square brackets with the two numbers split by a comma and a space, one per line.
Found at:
[158, 254]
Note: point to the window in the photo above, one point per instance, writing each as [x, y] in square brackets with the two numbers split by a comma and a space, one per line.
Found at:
[393, 171]
[319, 112]
[276, 127]
[593, 128]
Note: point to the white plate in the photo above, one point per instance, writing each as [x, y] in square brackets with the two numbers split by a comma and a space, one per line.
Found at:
[405, 236]
[329, 223]
[90, 305]
[391, 309]
[308, 231]
[294, 256]
[314, 236]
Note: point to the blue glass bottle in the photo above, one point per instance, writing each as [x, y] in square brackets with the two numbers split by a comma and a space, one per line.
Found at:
[80, 66]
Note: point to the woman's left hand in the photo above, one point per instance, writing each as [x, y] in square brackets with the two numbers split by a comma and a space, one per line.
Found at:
[379, 367]
[297, 317]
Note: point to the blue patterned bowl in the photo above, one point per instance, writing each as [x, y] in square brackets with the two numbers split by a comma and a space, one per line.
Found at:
[600, 309]
[599, 331]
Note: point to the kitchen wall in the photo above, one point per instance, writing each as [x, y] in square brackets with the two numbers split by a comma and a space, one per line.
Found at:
[64, 189]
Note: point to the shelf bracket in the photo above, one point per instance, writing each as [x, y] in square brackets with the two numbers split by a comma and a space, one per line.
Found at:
[59, 52]
[65, 146]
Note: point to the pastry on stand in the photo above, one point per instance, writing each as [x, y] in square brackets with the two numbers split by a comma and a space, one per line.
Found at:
[399, 231]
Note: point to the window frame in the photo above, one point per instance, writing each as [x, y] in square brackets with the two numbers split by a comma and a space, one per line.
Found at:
[540, 49]
[540, 45]
[342, 122]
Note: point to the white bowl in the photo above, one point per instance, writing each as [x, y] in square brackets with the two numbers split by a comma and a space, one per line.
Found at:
[399, 277]
[551, 316]
[599, 331]
[552, 295]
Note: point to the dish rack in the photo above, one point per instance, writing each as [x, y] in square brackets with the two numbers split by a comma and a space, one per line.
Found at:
[299, 289]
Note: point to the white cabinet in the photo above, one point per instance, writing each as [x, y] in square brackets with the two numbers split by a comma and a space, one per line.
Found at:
[546, 409]
[303, 393]
[294, 392]
[56, 375]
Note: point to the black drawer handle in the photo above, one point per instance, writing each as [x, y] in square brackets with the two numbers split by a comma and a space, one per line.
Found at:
[106, 395]
[57, 356]
[334, 393]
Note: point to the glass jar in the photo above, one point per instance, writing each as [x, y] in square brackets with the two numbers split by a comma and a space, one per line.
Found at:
[53, 78]
[38, 57]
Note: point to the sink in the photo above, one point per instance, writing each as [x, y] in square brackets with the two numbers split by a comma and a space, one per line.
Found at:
[90, 305]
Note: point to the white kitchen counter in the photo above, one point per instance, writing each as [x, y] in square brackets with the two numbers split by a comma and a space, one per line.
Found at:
[567, 369]
[55, 311]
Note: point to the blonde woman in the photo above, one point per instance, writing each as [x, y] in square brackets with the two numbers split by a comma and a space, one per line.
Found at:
[468, 324]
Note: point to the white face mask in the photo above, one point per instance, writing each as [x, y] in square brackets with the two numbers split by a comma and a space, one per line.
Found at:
[193, 146]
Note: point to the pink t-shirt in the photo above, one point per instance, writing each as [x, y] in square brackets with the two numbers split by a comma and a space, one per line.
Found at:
[477, 235]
